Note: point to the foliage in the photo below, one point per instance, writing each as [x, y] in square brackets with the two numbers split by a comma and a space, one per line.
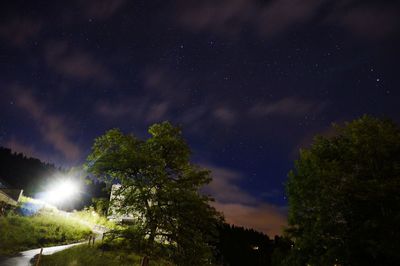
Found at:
[344, 197]
[160, 186]
[84, 255]
[240, 246]
[91, 217]
[19, 233]
[281, 253]
[20, 171]
[100, 205]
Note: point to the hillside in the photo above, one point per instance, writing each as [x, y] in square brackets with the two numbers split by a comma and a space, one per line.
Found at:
[19, 171]
[32, 175]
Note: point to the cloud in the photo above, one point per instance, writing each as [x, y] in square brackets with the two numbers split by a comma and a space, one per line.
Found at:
[141, 108]
[262, 217]
[369, 21]
[165, 93]
[28, 150]
[281, 15]
[19, 30]
[307, 140]
[231, 16]
[225, 115]
[53, 129]
[167, 84]
[101, 9]
[75, 63]
[224, 187]
[227, 16]
[269, 18]
[241, 208]
[286, 107]
[157, 112]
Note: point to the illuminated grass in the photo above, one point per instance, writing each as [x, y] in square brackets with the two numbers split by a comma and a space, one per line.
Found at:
[84, 255]
[89, 216]
[18, 233]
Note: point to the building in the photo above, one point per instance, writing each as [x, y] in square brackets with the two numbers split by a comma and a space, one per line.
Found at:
[9, 196]
[115, 212]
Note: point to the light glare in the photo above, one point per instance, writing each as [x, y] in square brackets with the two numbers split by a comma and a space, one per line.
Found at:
[62, 191]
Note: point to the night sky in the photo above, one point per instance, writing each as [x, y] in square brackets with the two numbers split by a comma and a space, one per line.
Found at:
[249, 81]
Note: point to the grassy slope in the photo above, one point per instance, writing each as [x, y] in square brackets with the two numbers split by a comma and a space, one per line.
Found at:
[84, 255]
[19, 233]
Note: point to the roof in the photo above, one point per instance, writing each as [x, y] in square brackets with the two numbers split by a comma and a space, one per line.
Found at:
[10, 196]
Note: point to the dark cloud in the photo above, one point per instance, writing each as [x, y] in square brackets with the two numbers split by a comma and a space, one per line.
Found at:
[167, 84]
[240, 207]
[225, 114]
[225, 187]
[277, 16]
[53, 128]
[101, 9]
[19, 30]
[289, 106]
[264, 217]
[139, 109]
[231, 16]
[75, 63]
[369, 21]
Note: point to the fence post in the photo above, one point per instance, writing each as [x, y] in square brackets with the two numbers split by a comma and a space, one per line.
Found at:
[94, 238]
[90, 240]
[38, 259]
[145, 261]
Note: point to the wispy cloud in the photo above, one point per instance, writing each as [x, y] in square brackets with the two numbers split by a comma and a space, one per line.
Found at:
[28, 150]
[167, 84]
[168, 95]
[224, 186]
[287, 107]
[19, 30]
[231, 16]
[239, 206]
[53, 128]
[225, 114]
[274, 17]
[75, 63]
[263, 217]
[101, 9]
[368, 21]
[140, 109]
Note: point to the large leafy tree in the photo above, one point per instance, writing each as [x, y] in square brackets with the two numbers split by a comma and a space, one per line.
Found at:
[161, 186]
[344, 197]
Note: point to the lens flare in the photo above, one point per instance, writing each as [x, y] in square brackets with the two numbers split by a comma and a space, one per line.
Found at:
[61, 192]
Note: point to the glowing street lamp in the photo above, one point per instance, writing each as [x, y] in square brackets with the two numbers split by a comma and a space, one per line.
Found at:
[61, 191]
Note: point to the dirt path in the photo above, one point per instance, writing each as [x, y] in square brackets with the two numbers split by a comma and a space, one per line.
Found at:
[23, 259]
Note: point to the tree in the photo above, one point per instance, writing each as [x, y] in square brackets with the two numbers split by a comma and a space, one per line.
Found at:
[100, 205]
[161, 186]
[344, 197]
[240, 246]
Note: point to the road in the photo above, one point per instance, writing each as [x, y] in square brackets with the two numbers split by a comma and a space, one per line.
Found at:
[23, 259]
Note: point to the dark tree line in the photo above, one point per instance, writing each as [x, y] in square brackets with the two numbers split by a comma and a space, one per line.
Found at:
[344, 197]
[22, 172]
[32, 175]
[241, 246]
[344, 203]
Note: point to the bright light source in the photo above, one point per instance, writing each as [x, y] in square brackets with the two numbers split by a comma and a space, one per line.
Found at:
[61, 191]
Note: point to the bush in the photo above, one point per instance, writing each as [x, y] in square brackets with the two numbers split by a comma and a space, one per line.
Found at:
[90, 216]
